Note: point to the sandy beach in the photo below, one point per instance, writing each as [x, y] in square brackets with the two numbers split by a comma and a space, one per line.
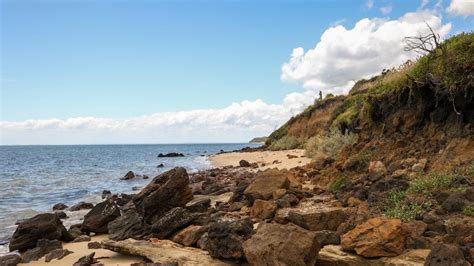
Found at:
[80, 249]
[286, 159]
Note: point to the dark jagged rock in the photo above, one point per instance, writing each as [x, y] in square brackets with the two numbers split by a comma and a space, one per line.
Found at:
[10, 260]
[444, 254]
[199, 206]
[326, 237]
[224, 239]
[81, 206]
[165, 192]
[171, 222]
[170, 154]
[86, 260]
[93, 245]
[75, 232]
[61, 214]
[97, 219]
[244, 163]
[59, 207]
[43, 247]
[160, 165]
[455, 202]
[41, 226]
[129, 175]
[129, 225]
[57, 254]
[275, 244]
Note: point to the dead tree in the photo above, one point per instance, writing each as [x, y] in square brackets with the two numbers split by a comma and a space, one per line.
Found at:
[423, 44]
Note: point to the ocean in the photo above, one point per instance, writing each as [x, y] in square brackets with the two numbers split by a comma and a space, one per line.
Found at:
[34, 178]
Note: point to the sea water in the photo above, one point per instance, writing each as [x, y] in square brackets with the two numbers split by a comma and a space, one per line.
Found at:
[34, 178]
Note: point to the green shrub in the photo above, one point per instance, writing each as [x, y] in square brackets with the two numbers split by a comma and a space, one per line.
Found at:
[427, 184]
[329, 145]
[399, 207]
[469, 211]
[337, 184]
[284, 143]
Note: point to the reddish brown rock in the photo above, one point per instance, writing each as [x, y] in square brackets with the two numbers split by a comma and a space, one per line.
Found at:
[276, 244]
[378, 237]
[265, 184]
[263, 209]
[189, 235]
[376, 170]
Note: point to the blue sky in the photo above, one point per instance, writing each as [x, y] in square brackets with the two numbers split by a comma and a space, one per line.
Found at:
[121, 59]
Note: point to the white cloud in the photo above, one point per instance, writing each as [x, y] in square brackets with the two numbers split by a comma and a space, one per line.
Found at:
[343, 55]
[237, 122]
[462, 8]
[386, 10]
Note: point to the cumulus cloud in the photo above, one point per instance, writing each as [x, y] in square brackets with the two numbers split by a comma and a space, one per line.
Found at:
[237, 122]
[462, 8]
[344, 55]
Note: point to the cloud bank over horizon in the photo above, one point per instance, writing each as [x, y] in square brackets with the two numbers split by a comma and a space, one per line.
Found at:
[342, 56]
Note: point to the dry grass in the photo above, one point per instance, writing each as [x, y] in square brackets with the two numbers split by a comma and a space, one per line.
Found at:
[329, 145]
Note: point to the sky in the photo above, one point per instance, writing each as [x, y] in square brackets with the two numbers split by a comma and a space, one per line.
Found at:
[109, 72]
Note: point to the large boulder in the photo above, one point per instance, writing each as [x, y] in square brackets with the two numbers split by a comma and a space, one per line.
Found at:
[275, 244]
[165, 252]
[317, 216]
[97, 219]
[224, 239]
[378, 237]
[171, 222]
[333, 255]
[263, 209]
[43, 247]
[445, 254]
[129, 225]
[41, 226]
[265, 184]
[165, 192]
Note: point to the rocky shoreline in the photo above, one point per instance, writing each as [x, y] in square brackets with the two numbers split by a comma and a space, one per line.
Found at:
[241, 215]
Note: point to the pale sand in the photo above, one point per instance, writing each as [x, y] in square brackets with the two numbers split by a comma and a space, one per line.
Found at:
[80, 249]
[262, 157]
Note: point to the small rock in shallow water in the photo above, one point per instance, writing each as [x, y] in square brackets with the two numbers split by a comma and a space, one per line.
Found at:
[81, 206]
[170, 154]
[59, 207]
[129, 175]
[160, 165]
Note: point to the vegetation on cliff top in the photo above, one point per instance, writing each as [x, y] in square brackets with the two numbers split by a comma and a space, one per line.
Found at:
[448, 70]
